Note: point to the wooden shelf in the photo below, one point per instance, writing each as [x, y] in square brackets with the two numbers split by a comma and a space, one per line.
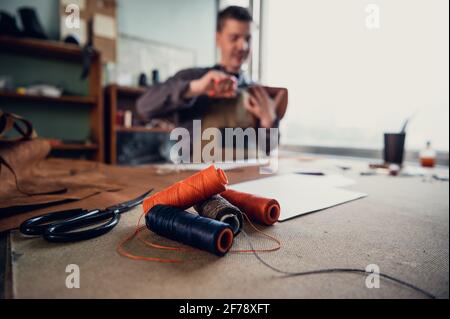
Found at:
[75, 147]
[142, 129]
[129, 90]
[85, 100]
[122, 98]
[45, 48]
[65, 53]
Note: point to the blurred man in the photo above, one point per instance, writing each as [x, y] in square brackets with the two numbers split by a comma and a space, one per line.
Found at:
[220, 95]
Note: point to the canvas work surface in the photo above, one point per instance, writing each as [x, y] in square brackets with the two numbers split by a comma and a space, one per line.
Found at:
[402, 227]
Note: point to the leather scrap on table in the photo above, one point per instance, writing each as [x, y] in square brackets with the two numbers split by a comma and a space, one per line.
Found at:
[133, 181]
[30, 181]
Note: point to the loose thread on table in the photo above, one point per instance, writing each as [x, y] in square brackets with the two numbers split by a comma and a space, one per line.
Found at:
[333, 270]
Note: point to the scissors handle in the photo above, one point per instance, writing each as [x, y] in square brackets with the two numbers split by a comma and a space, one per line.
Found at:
[72, 225]
[65, 231]
[37, 225]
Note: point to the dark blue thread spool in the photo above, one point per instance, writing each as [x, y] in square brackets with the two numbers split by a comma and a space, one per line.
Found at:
[203, 233]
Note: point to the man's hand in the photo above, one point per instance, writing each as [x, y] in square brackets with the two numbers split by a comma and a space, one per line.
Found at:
[215, 84]
[262, 106]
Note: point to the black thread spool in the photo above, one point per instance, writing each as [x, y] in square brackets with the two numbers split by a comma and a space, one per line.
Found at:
[218, 208]
[204, 233]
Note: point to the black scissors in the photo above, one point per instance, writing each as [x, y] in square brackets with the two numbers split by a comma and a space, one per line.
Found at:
[67, 225]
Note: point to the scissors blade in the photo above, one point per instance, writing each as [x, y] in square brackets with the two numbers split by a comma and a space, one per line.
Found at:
[123, 207]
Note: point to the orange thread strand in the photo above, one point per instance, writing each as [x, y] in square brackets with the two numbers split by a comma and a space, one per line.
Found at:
[264, 234]
[158, 246]
[122, 251]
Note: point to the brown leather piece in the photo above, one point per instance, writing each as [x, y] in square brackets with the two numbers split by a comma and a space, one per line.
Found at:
[18, 160]
[28, 180]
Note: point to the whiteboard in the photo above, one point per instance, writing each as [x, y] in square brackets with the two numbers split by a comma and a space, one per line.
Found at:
[137, 55]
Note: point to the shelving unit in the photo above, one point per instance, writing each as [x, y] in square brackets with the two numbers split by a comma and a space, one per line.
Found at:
[42, 48]
[92, 102]
[122, 98]
[82, 100]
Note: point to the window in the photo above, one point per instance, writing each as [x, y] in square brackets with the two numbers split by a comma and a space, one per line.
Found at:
[349, 83]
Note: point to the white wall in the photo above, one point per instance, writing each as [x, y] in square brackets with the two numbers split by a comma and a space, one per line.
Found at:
[349, 84]
[186, 23]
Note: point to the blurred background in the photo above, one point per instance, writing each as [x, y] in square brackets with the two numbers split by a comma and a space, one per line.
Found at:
[354, 70]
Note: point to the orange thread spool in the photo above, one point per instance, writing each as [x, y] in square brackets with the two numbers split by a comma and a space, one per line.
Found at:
[191, 190]
[259, 209]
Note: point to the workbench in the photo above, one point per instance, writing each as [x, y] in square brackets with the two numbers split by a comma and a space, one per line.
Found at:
[402, 226]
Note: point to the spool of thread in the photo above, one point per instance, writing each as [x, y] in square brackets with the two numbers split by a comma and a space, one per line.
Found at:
[190, 191]
[204, 233]
[258, 209]
[218, 208]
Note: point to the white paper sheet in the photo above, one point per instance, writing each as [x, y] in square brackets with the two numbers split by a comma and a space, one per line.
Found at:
[298, 194]
[331, 180]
